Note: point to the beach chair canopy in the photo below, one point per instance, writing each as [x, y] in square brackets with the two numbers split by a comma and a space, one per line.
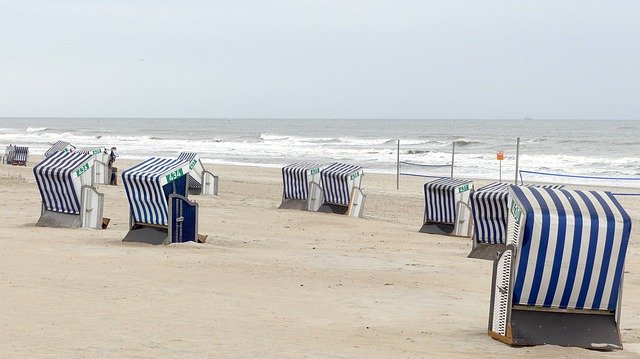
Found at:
[295, 178]
[440, 198]
[60, 146]
[571, 249]
[337, 182]
[149, 184]
[59, 179]
[91, 150]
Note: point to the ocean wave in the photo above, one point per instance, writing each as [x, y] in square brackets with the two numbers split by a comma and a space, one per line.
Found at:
[36, 129]
[463, 143]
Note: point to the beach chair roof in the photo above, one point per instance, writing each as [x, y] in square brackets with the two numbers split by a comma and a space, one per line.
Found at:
[301, 166]
[572, 250]
[91, 150]
[57, 147]
[144, 185]
[446, 183]
[336, 182]
[341, 169]
[188, 156]
[58, 179]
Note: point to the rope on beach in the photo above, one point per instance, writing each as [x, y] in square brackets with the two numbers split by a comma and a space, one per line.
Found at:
[580, 176]
[424, 165]
[585, 177]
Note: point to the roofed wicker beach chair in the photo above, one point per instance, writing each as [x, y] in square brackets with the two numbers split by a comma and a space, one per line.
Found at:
[201, 181]
[338, 191]
[447, 208]
[296, 180]
[100, 170]
[160, 213]
[60, 146]
[68, 198]
[489, 207]
[559, 280]
[16, 155]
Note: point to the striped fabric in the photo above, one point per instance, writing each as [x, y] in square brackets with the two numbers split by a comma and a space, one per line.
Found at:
[335, 182]
[572, 252]
[440, 199]
[146, 191]
[58, 180]
[187, 156]
[59, 146]
[20, 155]
[295, 180]
[489, 210]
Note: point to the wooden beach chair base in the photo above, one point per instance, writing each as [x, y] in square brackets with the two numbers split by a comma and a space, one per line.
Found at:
[573, 329]
[59, 220]
[486, 251]
[147, 234]
[437, 228]
[299, 204]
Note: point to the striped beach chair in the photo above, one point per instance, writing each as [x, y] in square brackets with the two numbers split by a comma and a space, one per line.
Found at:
[296, 181]
[100, 170]
[160, 212]
[559, 280]
[338, 191]
[60, 146]
[489, 212]
[16, 155]
[68, 198]
[447, 208]
[201, 181]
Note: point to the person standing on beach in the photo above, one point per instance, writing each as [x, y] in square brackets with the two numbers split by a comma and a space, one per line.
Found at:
[113, 170]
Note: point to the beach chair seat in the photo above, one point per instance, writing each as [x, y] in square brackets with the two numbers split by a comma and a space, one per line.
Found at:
[68, 198]
[60, 146]
[339, 190]
[447, 208]
[20, 156]
[160, 212]
[201, 181]
[296, 181]
[559, 279]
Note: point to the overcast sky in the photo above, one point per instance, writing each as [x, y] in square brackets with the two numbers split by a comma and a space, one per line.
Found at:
[321, 59]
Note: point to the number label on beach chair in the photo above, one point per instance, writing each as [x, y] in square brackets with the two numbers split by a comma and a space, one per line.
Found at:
[82, 169]
[192, 164]
[354, 176]
[463, 188]
[516, 211]
[315, 171]
[174, 175]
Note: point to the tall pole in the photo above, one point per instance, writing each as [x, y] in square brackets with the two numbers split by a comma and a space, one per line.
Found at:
[398, 167]
[453, 156]
[517, 159]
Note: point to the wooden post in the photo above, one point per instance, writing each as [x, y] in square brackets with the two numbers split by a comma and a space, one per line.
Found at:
[453, 156]
[517, 159]
[398, 167]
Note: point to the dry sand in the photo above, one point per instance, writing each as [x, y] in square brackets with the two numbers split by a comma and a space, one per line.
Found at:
[268, 282]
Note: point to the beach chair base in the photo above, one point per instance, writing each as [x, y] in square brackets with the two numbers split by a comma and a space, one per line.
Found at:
[333, 208]
[59, 220]
[486, 251]
[574, 329]
[437, 228]
[300, 204]
[147, 234]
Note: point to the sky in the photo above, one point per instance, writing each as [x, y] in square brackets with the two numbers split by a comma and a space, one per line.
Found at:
[490, 59]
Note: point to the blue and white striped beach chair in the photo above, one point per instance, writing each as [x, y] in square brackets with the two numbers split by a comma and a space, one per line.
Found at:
[201, 181]
[338, 191]
[60, 146]
[68, 198]
[296, 181]
[16, 155]
[559, 280]
[447, 207]
[489, 211]
[159, 210]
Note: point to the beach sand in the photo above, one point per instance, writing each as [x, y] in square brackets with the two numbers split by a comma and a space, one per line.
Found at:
[268, 282]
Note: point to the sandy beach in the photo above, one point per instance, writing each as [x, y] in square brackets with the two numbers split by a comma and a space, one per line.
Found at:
[268, 282]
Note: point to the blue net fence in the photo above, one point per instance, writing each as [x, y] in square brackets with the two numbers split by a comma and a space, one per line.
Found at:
[623, 186]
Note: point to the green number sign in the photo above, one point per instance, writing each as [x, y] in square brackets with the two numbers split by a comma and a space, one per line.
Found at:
[82, 169]
[515, 211]
[463, 188]
[174, 175]
[315, 170]
[354, 176]
[193, 164]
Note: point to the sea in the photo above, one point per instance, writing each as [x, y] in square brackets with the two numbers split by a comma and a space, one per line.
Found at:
[565, 151]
